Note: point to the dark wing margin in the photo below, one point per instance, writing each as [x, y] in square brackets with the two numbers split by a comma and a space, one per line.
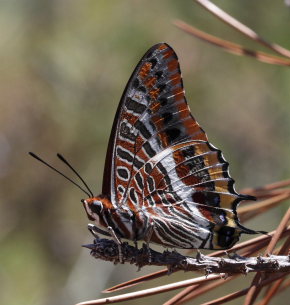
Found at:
[107, 175]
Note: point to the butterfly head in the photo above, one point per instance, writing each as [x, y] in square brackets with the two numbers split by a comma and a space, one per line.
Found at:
[94, 207]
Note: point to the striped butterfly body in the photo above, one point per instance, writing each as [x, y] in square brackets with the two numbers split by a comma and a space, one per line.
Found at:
[163, 181]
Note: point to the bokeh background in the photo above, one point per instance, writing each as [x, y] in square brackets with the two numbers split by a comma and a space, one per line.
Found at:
[64, 65]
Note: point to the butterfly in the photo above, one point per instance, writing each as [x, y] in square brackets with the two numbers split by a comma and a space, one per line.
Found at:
[163, 181]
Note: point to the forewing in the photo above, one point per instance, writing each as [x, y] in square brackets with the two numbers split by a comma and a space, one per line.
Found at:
[152, 115]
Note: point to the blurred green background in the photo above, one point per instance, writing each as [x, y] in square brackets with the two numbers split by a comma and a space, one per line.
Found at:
[64, 65]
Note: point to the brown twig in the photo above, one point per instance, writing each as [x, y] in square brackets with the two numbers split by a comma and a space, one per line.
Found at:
[285, 286]
[199, 289]
[267, 187]
[272, 291]
[242, 292]
[255, 286]
[151, 291]
[108, 250]
[230, 46]
[282, 226]
[251, 210]
[265, 194]
[242, 28]
[265, 204]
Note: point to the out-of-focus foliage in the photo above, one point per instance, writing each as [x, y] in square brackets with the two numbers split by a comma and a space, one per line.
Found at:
[64, 65]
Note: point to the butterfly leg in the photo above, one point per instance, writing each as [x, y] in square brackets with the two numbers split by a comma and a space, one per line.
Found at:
[147, 239]
[118, 241]
[94, 230]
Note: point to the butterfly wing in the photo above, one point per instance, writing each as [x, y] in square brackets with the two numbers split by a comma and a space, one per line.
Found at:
[152, 115]
[159, 160]
[192, 197]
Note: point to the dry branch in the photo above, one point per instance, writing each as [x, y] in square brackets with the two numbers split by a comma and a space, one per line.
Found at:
[108, 250]
[242, 292]
[255, 287]
[151, 291]
[231, 47]
[246, 248]
[242, 28]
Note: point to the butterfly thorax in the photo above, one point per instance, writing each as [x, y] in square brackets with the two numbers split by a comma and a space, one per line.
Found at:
[125, 222]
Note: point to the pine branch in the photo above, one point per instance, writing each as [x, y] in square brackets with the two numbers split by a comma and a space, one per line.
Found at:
[233, 47]
[242, 28]
[234, 264]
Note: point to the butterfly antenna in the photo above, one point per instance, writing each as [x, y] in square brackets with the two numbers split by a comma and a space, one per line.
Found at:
[42, 161]
[61, 157]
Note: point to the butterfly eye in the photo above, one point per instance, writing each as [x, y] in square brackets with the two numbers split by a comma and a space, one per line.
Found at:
[96, 206]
